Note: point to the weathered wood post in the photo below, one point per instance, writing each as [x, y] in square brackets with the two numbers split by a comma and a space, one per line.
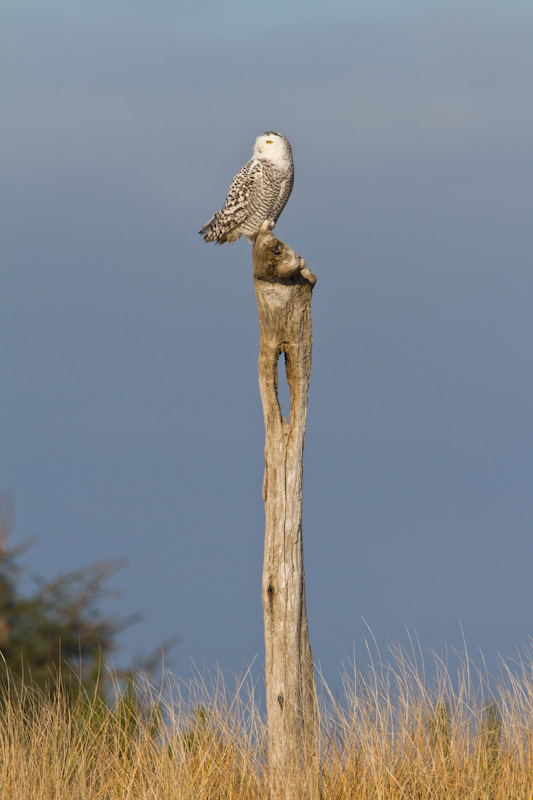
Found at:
[283, 287]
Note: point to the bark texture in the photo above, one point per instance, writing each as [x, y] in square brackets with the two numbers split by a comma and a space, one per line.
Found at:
[283, 286]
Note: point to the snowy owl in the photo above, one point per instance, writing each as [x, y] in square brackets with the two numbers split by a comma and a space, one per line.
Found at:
[258, 192]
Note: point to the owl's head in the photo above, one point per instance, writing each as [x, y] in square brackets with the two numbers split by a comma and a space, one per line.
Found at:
[273, 147]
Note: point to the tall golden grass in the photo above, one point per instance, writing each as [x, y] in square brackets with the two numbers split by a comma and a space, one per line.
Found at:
[393, 734]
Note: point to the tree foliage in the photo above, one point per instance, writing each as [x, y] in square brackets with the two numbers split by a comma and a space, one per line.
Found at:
[57, 629]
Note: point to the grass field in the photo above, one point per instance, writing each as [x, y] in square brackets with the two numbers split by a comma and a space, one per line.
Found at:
[393, 734]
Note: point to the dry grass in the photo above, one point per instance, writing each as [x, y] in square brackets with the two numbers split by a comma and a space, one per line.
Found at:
[393, 735]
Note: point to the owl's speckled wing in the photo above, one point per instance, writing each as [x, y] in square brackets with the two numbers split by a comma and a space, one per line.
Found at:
[226, 225]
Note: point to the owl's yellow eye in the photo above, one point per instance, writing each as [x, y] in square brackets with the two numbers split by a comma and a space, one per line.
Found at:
[269, 141]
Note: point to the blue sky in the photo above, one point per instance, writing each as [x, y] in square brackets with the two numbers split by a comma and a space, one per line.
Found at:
[131, 416]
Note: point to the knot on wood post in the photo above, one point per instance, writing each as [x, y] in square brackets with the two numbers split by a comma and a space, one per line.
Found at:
[276, 262]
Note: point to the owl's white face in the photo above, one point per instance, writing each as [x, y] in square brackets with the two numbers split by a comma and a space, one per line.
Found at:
[274, 147]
